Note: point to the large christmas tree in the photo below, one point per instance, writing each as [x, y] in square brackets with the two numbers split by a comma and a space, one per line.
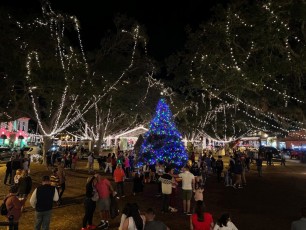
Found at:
[163, 142]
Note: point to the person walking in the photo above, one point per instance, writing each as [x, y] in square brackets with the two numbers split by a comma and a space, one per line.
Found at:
[199, 189]
[62, 182]
[166, 183]
[201, 220]
[74, 161]
[259, 166]
[25, 186]
[127, 167]
[26, 164]
[283, 159]
[8, 172]
[104, 189]
[90, 163]
[138, 183]
[42, 200]
[119, 177]
[238, 172]
[14, 205]
[244, 168]
[89, 203]
[173, 195]
[188, 184]
[225, 223]
[219, 168]
[109, 164]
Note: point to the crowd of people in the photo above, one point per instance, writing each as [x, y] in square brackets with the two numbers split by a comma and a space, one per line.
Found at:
[191, 179]
[107, 187]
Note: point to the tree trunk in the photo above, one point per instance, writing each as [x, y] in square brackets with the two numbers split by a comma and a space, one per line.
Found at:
[99, 142]
[47, 141]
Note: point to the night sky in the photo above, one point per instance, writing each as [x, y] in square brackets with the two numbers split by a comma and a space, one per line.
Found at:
[165, 21]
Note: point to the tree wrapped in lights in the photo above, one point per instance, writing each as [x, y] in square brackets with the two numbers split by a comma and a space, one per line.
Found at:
[163, 141]
[245, 72]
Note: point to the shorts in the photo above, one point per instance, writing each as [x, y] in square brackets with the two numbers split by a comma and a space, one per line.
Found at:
[103, 204]
[186, 194]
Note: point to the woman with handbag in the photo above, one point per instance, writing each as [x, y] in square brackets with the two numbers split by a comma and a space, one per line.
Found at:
[91, 197]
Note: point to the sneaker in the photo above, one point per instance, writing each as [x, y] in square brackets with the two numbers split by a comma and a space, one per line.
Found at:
[102, 224]
[106, 225]
[90, 227]
[173, 209]
[122, 196]
[240, 186]
[185, 212]
[234, 186]
[188, 213]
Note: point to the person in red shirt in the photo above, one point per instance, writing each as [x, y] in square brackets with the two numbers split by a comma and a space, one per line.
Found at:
[119, 177]
[104, 189]
[201, 220]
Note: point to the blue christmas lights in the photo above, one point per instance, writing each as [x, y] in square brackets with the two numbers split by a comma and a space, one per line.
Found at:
[163, 142]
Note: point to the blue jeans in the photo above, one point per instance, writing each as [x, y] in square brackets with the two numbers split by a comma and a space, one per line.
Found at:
[42, 220]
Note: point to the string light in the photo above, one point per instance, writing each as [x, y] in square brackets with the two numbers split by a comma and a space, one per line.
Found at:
[163, 142]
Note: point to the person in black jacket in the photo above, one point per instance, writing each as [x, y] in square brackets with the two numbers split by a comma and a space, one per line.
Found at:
[42, 200]
[8, 172]
[25, 184]
[166, 183]
[89, 204]
[238, 172]
[16, 164]
[219, 167]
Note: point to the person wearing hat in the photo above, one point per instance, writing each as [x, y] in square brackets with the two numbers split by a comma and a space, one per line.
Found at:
[14, 205]
[42, 200]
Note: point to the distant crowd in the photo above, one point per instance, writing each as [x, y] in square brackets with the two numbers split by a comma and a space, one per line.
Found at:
[103, 197]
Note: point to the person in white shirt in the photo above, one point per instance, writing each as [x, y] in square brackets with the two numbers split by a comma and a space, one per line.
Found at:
[42, 200]
[225, 223]
[188, 184]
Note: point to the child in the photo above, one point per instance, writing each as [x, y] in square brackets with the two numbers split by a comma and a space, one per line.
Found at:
[199, 189]
[17, 177]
